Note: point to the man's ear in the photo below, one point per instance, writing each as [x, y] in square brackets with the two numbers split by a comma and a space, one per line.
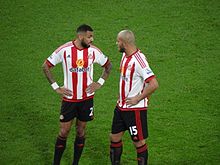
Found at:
[80, 36]
[124, 45]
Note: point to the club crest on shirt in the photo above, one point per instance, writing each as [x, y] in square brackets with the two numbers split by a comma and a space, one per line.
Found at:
[90, 56]
[129, 67]
[123, 69]
[124, 78]
[79, 63]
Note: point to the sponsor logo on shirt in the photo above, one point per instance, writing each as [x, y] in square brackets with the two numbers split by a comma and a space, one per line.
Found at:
[79, 63]
[78, 70]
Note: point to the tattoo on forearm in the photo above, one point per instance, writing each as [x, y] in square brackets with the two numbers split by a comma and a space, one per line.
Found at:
[107, 71]
[48, 74]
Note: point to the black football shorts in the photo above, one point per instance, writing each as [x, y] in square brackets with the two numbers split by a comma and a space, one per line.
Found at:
[84, 110]
[133, 121]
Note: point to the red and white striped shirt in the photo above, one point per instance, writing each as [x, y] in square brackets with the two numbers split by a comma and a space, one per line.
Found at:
[77, 68]
[135, 73]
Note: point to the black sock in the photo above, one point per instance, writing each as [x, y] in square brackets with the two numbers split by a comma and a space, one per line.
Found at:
[116, 149]
[59, 149]
[78, 148]
[142, 155]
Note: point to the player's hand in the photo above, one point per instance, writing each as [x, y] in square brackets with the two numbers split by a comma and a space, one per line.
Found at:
[130, 101]
[93, 87]
[64, 91]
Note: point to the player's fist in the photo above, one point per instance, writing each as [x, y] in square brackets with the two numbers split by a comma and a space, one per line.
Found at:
[93, 87]
[130, 101]
[64, 91]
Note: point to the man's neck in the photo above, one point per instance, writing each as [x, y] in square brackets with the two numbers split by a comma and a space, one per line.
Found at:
[130, 50]
[78, 44]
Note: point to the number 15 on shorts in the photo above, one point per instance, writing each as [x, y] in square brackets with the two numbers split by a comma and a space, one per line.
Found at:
[133, 130]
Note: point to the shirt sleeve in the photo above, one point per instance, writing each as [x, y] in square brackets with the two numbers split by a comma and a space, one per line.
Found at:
[144, 69]
[100, 58]
[55, 58]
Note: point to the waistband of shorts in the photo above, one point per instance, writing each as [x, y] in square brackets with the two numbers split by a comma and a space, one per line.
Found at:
[131, 109]
[77, 100]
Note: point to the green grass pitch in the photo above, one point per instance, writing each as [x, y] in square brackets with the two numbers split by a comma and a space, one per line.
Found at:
[181, 41]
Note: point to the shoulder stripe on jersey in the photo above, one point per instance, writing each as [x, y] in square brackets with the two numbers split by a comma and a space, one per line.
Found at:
[92, 46]
[63, 46]
[140, 60]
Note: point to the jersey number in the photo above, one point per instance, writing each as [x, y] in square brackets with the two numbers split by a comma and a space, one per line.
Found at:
[133, 130]
[91, 111]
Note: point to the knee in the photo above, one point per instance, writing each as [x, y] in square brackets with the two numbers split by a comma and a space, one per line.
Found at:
[80, 131]
[114, 138]
[64, 132]
[139, 143]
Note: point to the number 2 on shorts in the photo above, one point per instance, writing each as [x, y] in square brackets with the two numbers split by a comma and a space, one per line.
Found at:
[91, 111]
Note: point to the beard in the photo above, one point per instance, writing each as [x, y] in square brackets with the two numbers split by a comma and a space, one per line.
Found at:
[122, 50]
[85, 45]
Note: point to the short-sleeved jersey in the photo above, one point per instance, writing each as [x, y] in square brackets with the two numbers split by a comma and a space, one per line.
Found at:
[135, 73]
[77, 68]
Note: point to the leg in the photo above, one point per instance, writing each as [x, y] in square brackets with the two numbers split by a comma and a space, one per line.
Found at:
[118, 129]
[142, 152]
[84, 114]
[116, 148]
[139, 132]
[79, 141]
[61, 141]
[67, 114]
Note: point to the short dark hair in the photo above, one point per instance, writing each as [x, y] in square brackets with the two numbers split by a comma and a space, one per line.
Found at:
[84, 28]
